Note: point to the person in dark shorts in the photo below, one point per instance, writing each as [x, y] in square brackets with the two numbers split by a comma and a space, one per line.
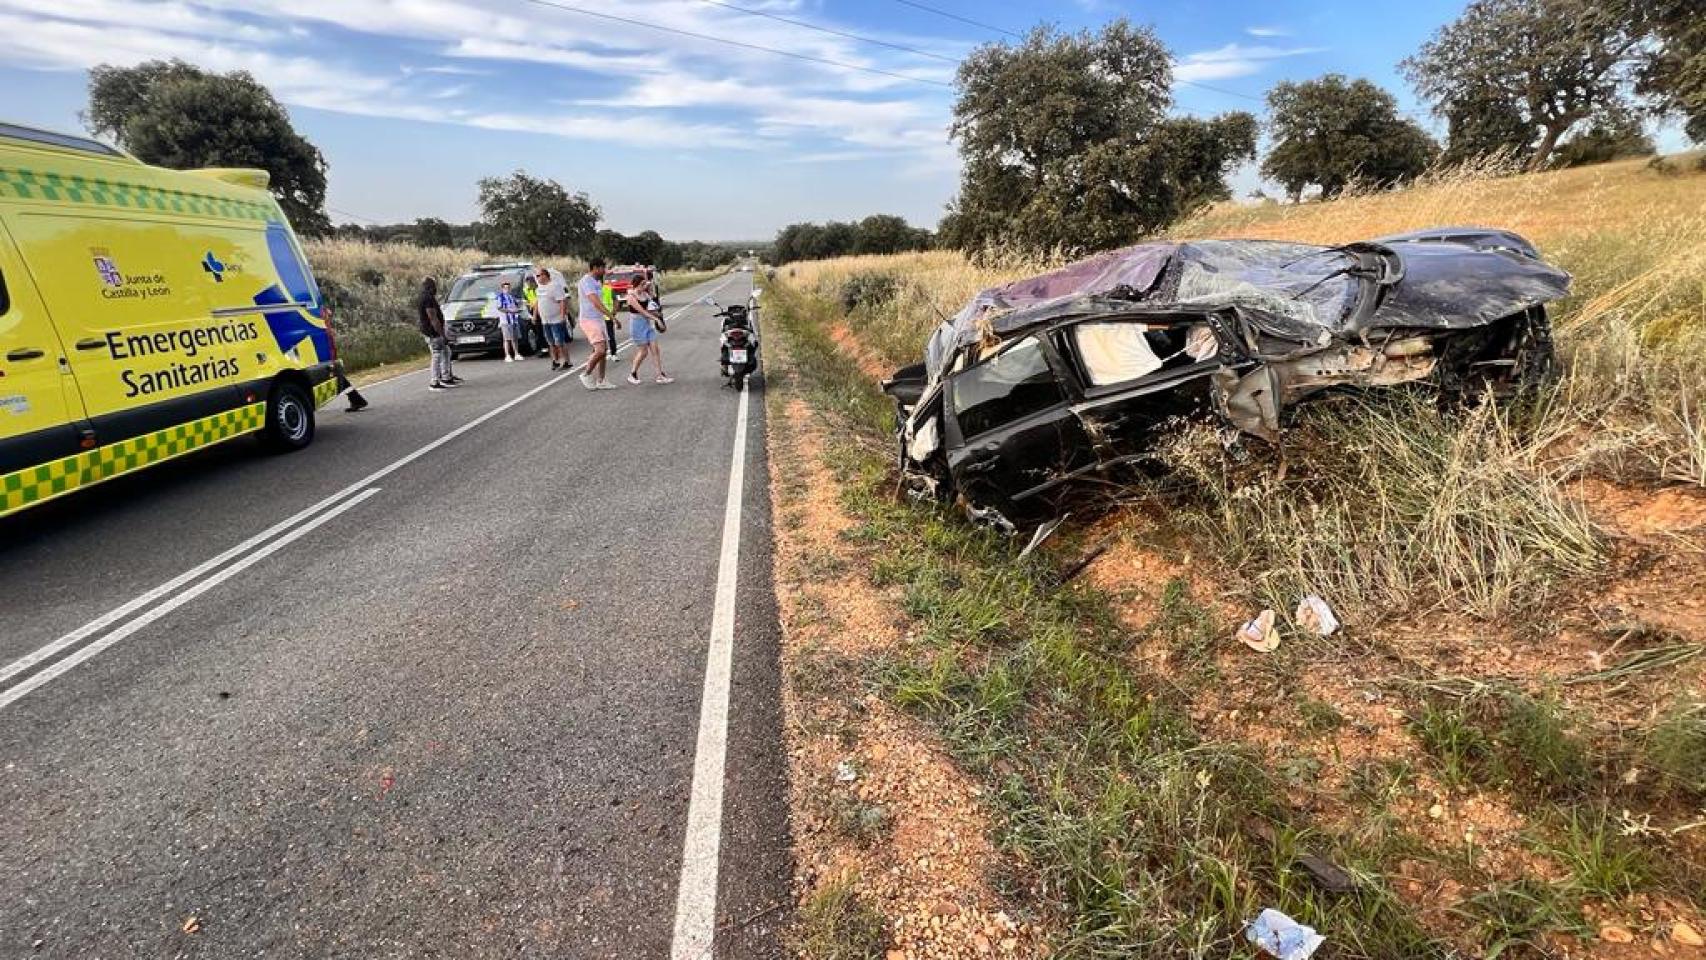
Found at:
[553, 294]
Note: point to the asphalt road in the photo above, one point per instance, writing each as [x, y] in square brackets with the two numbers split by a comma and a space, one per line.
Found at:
[450, 712]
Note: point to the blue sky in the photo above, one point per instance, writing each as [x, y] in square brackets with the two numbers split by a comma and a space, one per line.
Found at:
[413, 100]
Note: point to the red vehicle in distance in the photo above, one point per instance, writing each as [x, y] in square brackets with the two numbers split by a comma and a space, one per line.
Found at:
[619, 279]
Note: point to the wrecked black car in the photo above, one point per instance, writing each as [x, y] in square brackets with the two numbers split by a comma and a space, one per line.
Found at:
[1041, 386]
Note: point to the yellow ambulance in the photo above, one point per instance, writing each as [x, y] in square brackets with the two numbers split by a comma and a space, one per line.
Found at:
[145, 313]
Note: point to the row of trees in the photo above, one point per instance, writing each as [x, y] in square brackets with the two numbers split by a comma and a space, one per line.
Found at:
[879, 233]
[646, 247]
[1067, 141]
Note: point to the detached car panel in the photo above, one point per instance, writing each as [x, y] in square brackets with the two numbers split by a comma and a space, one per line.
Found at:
[1045, 384]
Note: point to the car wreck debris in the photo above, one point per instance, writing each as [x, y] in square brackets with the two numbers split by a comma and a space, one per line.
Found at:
[1280, 936]
[1259, 633]
[1315, 616]
[1039, 388]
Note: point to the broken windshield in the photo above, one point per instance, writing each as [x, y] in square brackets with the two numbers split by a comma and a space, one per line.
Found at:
[1302, 286]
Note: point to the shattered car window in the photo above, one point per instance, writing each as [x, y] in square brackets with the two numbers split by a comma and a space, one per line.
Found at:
[1004, 388]
[1295, 283]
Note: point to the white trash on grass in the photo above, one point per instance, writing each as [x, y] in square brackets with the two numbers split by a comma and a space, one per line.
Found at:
[1280, 936]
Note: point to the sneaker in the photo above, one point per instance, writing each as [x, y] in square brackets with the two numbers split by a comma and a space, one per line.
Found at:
[357, 402]
[453, 379]
[634, 379]
[435, 385]
[588, 383]
[605, 385]
[509, 359]
[555, 364]
[665, 378]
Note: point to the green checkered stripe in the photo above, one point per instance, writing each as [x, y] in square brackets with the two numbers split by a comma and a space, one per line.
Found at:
[325, 390]
[24, 184]
[35, 484]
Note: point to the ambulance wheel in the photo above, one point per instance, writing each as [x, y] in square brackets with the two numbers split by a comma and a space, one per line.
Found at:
[290, 418]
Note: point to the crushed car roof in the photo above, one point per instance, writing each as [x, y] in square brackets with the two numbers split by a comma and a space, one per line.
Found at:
[1441, 278]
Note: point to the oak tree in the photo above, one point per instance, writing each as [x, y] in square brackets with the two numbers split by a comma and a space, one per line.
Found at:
[1331, 131]
[173, 114]
[1554, 63]
[1067, 143]
[521, 214]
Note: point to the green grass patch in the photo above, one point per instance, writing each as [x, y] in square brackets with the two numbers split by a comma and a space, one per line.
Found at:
[835, 924]
[1507, 739]
[1516, 916]
[1675, 750]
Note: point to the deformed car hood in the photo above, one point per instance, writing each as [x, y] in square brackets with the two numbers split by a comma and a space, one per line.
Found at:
[1451, 285]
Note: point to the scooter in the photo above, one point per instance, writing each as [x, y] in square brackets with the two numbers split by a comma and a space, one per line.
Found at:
[737, 352]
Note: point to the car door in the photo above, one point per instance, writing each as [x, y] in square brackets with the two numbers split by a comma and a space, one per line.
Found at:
[40, 413]
[1016, 439]
[1141, 378]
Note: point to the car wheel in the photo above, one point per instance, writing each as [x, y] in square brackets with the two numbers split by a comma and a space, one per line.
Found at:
[290, 418]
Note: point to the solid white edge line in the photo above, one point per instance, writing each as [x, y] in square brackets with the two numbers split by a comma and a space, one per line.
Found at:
[696, 898]
[46, 676]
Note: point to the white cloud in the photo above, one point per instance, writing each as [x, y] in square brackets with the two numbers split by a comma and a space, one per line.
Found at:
[826, 107]
[1234, 60]
[1267, 32]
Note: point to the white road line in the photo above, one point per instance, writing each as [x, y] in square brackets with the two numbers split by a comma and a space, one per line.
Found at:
[95, 626]
[46, 676]
[696, 898]
[118, 613]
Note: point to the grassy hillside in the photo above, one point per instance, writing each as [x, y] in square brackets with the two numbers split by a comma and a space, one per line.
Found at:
[372, 287]
[1503, 746]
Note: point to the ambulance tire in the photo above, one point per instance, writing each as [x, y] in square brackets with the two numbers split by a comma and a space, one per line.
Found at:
[290, 418]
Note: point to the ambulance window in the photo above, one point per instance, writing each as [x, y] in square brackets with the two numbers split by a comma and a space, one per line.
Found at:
[5, 299]
[298, 281]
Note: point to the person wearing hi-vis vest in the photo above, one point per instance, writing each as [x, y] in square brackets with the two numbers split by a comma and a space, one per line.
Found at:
[611, 324]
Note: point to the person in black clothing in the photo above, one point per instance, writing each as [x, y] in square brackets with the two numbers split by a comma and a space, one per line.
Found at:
[431, 319]
[357, 402]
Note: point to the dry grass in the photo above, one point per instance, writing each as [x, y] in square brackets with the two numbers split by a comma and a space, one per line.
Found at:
[371, 288]
[1633, 340]
[1459, 746]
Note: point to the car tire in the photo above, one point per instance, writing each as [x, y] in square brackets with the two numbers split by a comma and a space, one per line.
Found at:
[290, 418]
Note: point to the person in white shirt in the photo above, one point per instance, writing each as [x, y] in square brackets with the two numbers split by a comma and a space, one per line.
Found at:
[552, 297]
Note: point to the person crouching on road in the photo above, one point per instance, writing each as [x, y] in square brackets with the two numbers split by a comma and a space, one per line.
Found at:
[510, 322]
[431, 318]
[553, 298]
[594, 315]
[648, 323]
